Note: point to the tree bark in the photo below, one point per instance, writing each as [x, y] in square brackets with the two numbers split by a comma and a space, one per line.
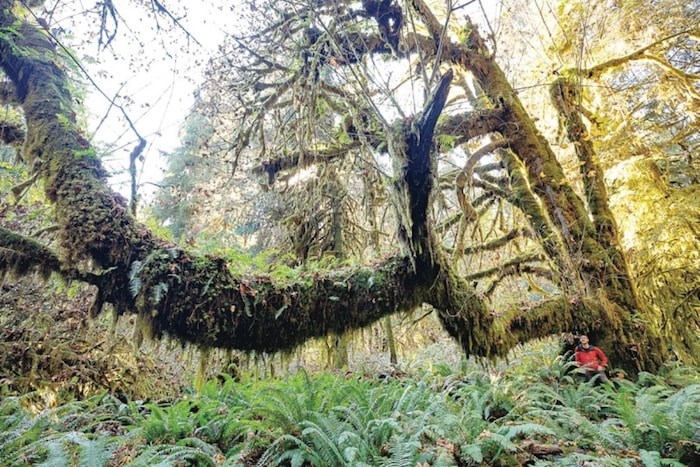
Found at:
[591, 262]
[197, 299]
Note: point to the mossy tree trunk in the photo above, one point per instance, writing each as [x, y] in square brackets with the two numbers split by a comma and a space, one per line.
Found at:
[197, 299]
[584, 247]
[190, 297]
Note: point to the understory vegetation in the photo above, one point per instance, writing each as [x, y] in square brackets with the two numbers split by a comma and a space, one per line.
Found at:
[534, 411]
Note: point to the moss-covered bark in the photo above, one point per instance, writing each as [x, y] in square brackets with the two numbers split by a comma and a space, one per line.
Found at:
[607, 262]
[590, 258]
[20, 255]
[197, 299]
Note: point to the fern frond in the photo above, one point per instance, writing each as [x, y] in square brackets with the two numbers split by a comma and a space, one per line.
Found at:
[135, 282]
[169, 455]
[402, 452]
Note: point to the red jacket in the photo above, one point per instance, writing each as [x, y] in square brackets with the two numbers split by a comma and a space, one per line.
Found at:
[591, 358]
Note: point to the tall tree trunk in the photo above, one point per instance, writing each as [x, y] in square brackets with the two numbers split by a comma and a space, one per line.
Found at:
[591, 260]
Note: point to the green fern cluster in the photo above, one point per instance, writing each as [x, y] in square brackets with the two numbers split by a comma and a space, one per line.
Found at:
[76, 433]
[478, 416]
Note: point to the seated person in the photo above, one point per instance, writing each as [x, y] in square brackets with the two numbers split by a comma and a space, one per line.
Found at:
[591, 360]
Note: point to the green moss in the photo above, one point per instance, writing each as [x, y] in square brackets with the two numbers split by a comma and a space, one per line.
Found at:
[20, 255]
[89, 153]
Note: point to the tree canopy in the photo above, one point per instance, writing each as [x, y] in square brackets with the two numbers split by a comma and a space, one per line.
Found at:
[382, 119]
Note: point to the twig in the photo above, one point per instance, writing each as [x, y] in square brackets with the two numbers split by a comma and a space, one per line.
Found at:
[161, 9]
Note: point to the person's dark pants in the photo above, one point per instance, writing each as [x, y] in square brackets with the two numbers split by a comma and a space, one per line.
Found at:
[598, 377]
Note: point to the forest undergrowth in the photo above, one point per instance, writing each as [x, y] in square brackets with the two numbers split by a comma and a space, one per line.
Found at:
[532, 411]
[80, 392]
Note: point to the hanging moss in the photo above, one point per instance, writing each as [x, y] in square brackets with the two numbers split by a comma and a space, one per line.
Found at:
[20, 255]
[197, 299]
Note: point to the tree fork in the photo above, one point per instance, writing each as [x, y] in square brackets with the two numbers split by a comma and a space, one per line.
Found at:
[191, 298]
[631, 342]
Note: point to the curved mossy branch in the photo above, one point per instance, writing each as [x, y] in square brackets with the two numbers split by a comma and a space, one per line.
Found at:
[469, 125]
[196, 298]
[300, 160]
[512, 266]
[464, 314]
[522, 197]
[566, 98]
[553, 316]
[518, 269]
[495, 243]
[467, 172]
[21, 255]
[464, 179]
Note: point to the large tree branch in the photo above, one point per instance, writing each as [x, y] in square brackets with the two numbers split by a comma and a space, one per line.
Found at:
[561, 314]
[469, 125]
[610, 266]
[300, 160]
[514, 265]
[191, 297]
[20, 255]
[566, 98]
[616, 62]
[222, 310]
[497, 242]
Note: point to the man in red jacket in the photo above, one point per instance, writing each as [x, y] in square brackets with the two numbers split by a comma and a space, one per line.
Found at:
[591, 360]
